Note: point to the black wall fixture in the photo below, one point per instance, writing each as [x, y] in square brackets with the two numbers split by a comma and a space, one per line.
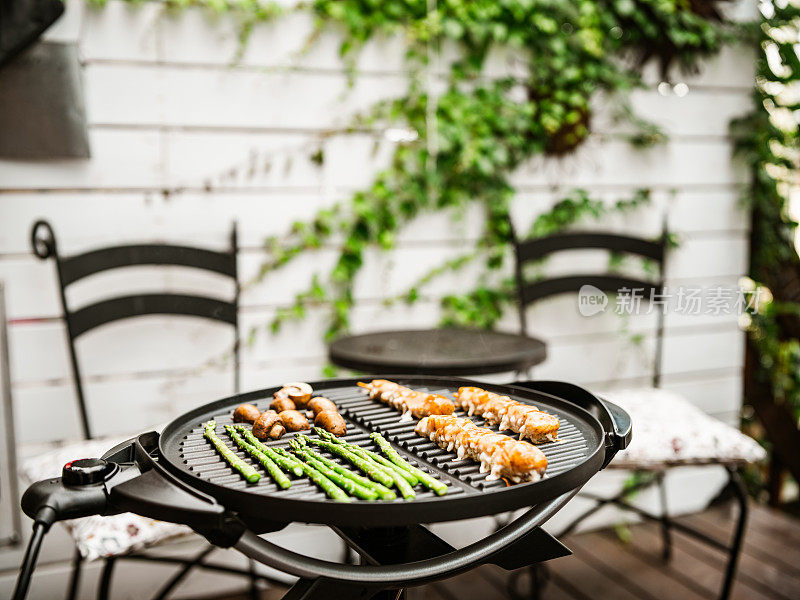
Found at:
[22, 22]
[42, 114]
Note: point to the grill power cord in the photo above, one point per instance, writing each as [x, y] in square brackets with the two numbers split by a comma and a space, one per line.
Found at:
[41, 525]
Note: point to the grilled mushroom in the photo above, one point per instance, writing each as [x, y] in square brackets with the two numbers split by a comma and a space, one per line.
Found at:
[264, 424]
[246, 413]
[331, 421]
[281, 404]
[277, 431]
[318, 404]
[297, 392]
[294, 420]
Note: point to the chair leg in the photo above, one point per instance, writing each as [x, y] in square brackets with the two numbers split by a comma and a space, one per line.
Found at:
[75, 575]
[740, 494]
[182, 573]
[599, 503]
[105, 579]
[666, 534]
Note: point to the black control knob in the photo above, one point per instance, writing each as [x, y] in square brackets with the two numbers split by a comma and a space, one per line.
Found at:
[86, 471]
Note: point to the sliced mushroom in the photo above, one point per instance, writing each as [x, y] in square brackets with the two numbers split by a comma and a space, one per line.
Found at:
[318, 404]
[277, 431]
[264, 423]
[332, 422]
[281, 404]
[246, 413]
[294, 420]
[298, 392]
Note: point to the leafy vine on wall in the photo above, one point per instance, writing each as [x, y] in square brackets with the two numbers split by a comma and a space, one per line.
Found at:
[767, 140]
[486, 127]
[465, 140]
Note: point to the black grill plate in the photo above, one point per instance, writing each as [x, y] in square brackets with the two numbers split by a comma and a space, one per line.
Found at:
[571, 461]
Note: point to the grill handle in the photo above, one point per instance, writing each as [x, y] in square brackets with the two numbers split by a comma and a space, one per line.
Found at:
[615, 421]
[401, 575]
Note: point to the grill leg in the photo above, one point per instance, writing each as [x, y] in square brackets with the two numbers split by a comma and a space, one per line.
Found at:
[538, 580]
[105, 579]
[75, 576]
[251, 565]
[666, 534]
[736, 548]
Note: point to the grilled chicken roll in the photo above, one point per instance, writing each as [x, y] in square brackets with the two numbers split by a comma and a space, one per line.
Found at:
[524, 419]
[499, 454]
[418, 404]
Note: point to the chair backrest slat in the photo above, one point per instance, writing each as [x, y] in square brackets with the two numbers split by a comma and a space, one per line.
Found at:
[123, 307]
[537, 290]
[538, 248]
[77, 267]
[74, 268]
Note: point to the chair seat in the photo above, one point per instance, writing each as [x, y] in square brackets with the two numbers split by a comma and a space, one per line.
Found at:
[96, 536]
[668, 430]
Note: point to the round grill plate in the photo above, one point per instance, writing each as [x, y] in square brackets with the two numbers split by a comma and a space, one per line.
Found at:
[571, 461]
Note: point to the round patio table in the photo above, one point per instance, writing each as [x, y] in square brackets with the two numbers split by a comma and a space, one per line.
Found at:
[451, 351]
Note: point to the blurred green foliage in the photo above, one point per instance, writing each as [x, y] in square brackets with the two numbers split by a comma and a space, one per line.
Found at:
[767, 141]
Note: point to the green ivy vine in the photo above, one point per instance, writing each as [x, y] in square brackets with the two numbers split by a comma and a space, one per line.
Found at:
[767, 141]
[466, 141]
[486, 127]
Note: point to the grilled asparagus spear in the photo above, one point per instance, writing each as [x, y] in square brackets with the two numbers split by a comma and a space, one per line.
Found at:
[274, 470]
[329, 487]
[369, 468]
[433, 484]
[289, 463]
[369, 455]
[385, 476]
[247, 470]
[348, 485]
[384, 493]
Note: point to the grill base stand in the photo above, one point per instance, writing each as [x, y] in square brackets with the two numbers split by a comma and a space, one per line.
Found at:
[397, 545]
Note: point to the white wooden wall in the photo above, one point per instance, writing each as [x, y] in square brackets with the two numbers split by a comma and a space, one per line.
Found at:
[167, 110]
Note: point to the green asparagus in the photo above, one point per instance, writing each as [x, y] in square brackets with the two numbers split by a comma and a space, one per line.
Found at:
[247, 470]
[402, 485]
[370, 469]
[329, 487]
[369, 455]
[348, 485]
[289, 463]
[438, 487]
[384, 493]
[274, 470]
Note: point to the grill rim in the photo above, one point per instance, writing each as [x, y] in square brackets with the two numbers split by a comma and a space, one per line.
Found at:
[427, 510]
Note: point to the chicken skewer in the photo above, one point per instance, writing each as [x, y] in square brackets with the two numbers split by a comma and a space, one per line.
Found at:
[498, 454]
[524, 419]
[410, 402]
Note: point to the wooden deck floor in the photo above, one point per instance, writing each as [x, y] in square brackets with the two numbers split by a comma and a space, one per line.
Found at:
[602, 567]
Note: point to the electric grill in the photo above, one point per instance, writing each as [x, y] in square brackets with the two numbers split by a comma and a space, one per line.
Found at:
[177, 476]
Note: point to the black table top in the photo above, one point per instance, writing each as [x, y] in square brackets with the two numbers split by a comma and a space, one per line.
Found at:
[437, 352]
